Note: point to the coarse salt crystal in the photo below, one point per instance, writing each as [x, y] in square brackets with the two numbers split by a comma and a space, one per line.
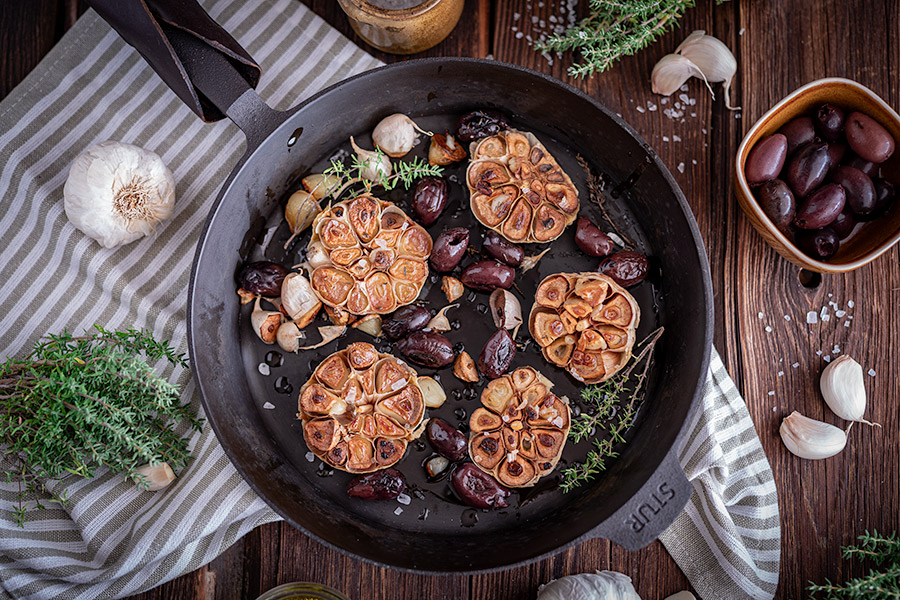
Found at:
[787, 317]
[614, 237]
[768, 329]
[795, 365]
[651, 107]
[833, 304]
[871, 372]
[263, 368]
[640, 109]
[397, 511]
[268, 406]
[398, 384]
[824, 311]
[812, 317]
[827, 358]
[703, 130]
[826, 318]
[850, 303]
[840, 313]
[781, 373]
[741, 32]
[519, 35]
[774, 409]
[681, 167]
[771, 392]
[676, 138]
[310, 457]
[403, 499]
[836, 349]
[665, 138]
[818, 353]
[759, 314]
[846, 323]
[557, 422]
[684, 88]
[694, 161]
[505, 418]
[511, 457]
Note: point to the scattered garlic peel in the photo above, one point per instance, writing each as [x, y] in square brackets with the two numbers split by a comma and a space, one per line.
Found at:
[329, 333]
[440, 322]
[530, 262]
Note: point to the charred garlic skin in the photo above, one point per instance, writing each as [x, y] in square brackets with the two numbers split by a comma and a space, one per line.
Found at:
[519, 432]
[517, 188]
[360, 408]
[367, 256]
[584, 323]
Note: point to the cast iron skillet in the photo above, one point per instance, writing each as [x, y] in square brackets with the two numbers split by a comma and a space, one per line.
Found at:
[643, 490]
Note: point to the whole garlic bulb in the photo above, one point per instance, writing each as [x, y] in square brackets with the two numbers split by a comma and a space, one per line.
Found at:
[117, 193]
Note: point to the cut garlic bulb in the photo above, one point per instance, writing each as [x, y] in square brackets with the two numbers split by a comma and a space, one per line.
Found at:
[117, 193]
[808, 438]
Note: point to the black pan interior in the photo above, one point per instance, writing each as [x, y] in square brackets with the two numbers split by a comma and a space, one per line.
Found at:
[255, 415]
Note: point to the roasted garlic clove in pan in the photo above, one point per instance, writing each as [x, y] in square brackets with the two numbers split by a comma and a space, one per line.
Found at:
[519, 432]
[367, 256]
[585, 323]
[517, 188]
[360, 409]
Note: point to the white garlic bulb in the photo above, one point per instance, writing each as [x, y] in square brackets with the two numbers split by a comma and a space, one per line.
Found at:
[808, 438]
[396, 135]
[117, 193]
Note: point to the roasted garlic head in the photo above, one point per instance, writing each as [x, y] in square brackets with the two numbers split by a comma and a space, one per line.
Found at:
[360, 408]
[517, 188]
[585, 323]
[367, 256]
[519, 432]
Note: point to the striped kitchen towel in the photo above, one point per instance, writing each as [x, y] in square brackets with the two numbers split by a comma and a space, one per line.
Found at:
[111, 540]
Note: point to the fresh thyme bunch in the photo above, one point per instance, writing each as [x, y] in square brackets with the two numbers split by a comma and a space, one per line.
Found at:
[405, 172]
[78, 402]
[613, 29]
[880, 549]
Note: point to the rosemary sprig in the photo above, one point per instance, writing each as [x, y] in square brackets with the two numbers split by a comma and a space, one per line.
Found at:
[77, 402]
[880, 549]
[607, 417]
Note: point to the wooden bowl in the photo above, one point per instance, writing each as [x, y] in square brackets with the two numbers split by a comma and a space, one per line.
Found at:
[869, 240]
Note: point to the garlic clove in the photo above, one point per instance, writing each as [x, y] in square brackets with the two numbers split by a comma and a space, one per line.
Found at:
[464, 368]
[320, 185]
[844, 390]
[712, 57]
[152, 478]
[395, 135]
[808, 438]
[265, 323]
[289, 336]
[298, 301]
[439, 322]
[445, 150]
[301, 210]
[375, 165]
[370, 324]
[505, 309]
[671, 72]
[452, 287]
[432, 392]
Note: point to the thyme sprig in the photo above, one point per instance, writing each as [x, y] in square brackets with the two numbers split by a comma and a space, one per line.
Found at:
[78, 402]
[608, 416]
[405, 172]
[880, 549]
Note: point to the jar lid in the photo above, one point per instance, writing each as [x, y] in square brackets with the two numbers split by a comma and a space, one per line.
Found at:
[302, 590]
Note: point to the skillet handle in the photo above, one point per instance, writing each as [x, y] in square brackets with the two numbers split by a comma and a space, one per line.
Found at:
[196, 58]
[651, 510]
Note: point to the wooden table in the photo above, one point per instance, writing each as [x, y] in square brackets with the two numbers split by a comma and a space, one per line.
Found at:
[774, 356]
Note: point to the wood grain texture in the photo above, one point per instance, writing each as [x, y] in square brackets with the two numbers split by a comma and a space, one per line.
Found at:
[824, 504]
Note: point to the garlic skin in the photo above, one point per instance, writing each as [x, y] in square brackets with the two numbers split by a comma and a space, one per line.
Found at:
[808, 438]
[117, 193]
[844, 390]
[156, 477]
[505, 309]
[298, 301]
[289, 336]
[432, 392]
[374, 165]
[265, 323]
[395, 135]
[439, 322]
[713, 58]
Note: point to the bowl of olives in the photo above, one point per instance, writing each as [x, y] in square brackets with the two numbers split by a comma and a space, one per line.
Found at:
[819, 177]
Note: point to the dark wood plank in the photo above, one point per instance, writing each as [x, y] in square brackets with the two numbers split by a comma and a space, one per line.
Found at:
[28, 31]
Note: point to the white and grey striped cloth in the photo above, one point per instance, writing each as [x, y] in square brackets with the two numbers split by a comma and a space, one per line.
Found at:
[112, 540]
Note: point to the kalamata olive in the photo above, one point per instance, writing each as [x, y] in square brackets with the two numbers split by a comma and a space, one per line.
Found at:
[590, 239]
[427, 349]
[821, 207]
[488, 275]
[380, 485]
[829, 121]
[844, 223]
[836, 152]
[820, 244]
[498, 247]
[868, 138]
[449, 248]
[497, 355]
[867, 167]
[447, 441]
[808, 167]
[263, 278]
[478, 124]
[626, 267]
[477, 488]
[798, 132]
[858, 188]
[404, 321]
[766, 159]
[777, 201]
[885, 194]
[429, 199]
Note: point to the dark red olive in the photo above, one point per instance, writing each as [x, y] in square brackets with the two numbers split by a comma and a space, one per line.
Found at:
[449, 249]
[869, 168]
[498, 247]
[821, 207]
[798, 132]
[429, 199]
[860, 191]
[829, 121]
[885, 194]
[766, 159]
[447, 441]
[380, 485]
[488, 275]
[478, 124]
[497, 355]
[820, 244]
[836, 153]
[868, 138]
[590, 239]
[807, 168]
[627, 268]
[404, 321]
[844, 223]
[427, 349]
[777, 201]
[263, 278]
[477, 488]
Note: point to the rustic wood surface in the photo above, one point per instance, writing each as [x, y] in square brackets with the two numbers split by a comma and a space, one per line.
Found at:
[760, 304]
